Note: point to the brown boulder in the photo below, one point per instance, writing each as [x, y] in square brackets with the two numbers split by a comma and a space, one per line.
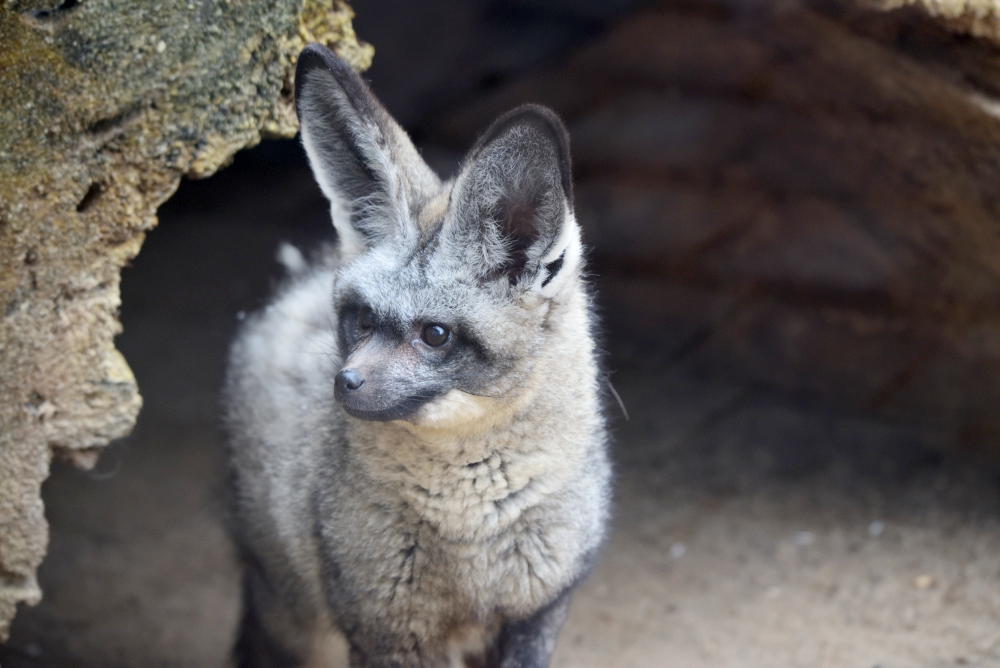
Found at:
[802, 195]
[103, 108]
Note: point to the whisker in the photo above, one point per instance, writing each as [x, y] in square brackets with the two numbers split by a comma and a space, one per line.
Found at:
[614, 393]
[458, 401]
[326, 347]
[484, 396]
[328, 312]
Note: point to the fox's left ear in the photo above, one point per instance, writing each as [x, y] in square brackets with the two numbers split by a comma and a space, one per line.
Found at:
[513, 201]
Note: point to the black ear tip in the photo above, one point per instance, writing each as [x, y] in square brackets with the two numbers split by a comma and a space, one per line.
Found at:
[316, 56]
[544, 114]
[313, 57]
[537, 115]
[314, 49]
[548, 123]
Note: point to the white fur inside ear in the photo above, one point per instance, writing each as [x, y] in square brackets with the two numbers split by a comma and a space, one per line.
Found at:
[569, 247]
[352, 244]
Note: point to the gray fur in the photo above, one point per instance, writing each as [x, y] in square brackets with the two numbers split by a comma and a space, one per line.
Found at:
[455, 520]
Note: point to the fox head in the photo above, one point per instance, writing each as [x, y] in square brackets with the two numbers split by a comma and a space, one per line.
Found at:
[447, 291]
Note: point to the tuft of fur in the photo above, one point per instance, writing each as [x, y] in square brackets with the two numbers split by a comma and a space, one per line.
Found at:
[441, 512]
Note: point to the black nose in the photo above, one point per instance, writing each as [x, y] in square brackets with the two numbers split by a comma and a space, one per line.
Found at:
[348, 380]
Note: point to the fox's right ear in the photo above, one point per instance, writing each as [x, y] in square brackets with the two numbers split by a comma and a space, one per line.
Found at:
[512, 204]
[363, 161]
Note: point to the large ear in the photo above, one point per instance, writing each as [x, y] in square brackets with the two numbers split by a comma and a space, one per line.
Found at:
[364, 162]
[513, 201]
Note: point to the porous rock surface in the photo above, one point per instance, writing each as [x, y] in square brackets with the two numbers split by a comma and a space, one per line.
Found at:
[104, 106]
[974, 17]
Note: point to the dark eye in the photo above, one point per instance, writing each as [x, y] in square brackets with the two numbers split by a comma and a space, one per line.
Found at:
[365, 317]
[435, 335]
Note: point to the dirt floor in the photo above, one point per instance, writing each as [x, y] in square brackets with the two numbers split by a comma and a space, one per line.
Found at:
[751, 530]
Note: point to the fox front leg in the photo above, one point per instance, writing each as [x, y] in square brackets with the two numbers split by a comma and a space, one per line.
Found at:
[402, 655]
[269, 636]
[530, 643]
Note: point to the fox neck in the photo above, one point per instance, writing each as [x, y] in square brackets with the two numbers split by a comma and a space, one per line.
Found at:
[480, 462]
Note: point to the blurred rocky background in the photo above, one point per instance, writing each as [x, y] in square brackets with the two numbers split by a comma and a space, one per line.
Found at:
[798, 197]
[792, 215]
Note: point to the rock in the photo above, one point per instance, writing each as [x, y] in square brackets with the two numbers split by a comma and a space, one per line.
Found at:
[104, 106]
[799, 195]
[973, 17]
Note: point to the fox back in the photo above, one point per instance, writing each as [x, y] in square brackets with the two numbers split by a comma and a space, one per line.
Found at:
[417, 446]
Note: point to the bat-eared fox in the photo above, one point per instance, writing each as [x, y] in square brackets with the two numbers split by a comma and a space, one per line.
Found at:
[418, 452]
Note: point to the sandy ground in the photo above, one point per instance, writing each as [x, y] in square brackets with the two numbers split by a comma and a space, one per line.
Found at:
[751, 530]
